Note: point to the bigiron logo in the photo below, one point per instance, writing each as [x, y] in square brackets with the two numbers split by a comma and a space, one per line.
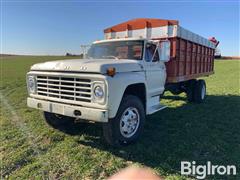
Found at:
[201, 171]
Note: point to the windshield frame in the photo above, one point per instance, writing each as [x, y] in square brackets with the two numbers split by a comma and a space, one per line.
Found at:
[140, 41]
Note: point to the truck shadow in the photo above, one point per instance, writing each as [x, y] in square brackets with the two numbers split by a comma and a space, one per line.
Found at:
[192, 132]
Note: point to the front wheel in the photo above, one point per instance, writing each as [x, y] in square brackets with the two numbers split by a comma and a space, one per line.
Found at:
[127, 125]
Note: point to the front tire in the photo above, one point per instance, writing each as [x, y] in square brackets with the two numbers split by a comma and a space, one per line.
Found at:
[127, 125]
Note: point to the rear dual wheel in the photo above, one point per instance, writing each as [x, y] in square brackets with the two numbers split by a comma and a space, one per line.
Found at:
[200, 91]
[196, 90]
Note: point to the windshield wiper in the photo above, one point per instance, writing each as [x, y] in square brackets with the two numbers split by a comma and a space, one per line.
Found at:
[114, 57]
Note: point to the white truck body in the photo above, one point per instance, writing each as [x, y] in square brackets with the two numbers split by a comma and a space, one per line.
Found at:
[128, 72]
[123, 77]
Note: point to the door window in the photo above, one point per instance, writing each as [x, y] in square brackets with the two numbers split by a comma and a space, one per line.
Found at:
[150, 52]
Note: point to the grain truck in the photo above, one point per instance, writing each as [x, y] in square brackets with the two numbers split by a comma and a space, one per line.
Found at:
[123, 77]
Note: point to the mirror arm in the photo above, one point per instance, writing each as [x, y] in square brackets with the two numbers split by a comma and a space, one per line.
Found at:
[155, 50]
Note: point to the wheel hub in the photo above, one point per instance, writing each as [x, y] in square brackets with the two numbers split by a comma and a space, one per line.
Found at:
[129, 122]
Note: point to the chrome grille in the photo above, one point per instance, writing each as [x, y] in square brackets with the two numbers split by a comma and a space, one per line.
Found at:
[67, 88]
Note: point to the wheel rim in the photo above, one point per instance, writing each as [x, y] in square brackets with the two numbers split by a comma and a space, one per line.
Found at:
[129, 122]
[203, 92]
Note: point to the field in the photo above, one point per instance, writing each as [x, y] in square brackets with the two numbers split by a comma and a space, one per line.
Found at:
[30, 148]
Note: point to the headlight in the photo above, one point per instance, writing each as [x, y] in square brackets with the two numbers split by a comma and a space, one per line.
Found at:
[31, 83]
[98, 92]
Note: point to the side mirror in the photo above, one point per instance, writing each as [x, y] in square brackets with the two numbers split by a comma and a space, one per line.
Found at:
[164, 51]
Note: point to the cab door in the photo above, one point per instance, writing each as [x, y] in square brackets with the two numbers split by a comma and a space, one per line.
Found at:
[155, 71]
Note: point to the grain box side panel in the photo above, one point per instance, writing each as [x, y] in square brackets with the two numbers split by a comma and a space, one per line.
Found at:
[188, 60]
[171, 66]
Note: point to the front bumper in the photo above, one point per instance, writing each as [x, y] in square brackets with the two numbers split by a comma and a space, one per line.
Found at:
[98, 115]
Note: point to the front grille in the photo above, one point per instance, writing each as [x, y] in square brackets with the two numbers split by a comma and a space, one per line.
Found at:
[67, 88]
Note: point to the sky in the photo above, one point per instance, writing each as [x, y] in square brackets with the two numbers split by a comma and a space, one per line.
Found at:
[55, 27]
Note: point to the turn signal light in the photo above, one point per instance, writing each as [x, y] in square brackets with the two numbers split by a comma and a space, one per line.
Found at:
[111, 71]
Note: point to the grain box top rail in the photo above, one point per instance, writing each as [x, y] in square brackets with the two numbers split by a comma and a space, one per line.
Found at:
[154, 29]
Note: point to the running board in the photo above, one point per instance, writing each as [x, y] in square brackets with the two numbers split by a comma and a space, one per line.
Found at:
[156, 108]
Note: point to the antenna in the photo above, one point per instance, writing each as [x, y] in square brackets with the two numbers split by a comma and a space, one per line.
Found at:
[84, 49]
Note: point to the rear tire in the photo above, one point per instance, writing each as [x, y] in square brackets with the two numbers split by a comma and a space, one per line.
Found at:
[128, 123]
[56, 120]
[190, 88]
[200, 91]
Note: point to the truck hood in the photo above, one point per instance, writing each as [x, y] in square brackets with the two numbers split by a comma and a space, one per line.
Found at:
[89, 65]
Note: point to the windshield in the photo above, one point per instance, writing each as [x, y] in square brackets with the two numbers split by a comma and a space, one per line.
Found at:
[117, 50]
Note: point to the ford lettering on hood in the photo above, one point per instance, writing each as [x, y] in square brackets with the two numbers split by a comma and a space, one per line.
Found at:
[89, 65]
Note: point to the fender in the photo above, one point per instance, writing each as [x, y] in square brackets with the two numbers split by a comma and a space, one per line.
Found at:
[117, 86]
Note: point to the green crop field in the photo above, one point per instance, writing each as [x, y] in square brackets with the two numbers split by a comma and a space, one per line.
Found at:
[30, 148]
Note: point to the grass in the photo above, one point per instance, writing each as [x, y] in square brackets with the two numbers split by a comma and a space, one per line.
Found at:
[202, 132]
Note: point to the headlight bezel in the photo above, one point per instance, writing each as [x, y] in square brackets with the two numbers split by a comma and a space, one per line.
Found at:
[96, 99]
[31, 84]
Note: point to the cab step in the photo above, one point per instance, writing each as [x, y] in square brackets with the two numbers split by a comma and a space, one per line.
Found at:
[156, 108]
